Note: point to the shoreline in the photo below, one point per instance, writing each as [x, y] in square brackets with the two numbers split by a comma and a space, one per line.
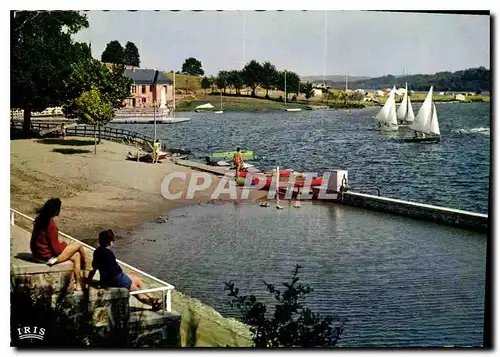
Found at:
[97, 191]
[105, 191]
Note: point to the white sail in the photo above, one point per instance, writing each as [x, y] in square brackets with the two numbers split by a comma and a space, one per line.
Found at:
[434, 125]
[422, 120]
[410, 117]
[388, 112]
[403, 108]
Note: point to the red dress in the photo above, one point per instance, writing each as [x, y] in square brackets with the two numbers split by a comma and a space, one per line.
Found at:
[45, 244]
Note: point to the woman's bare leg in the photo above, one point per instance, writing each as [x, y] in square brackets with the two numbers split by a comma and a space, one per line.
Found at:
[68, 252]
[76, 259]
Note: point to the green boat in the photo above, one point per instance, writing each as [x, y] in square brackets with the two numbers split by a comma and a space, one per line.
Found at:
[248, 155]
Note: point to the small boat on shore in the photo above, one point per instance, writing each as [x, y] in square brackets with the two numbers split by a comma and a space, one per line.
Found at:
[248, 155]
[145, 156]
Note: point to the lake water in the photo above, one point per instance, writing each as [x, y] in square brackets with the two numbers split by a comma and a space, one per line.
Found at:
[453, 173]
[397, 281]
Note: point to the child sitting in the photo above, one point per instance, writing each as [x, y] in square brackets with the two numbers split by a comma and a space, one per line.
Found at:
[112, 274]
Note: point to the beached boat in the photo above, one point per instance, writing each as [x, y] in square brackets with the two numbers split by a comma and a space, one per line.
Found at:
[426, 125]
[405, 113]
[145, 156]
[204, 108]
[386, 119]
[248, 155]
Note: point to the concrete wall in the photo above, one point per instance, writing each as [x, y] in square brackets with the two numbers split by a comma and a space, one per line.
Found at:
[452, 217]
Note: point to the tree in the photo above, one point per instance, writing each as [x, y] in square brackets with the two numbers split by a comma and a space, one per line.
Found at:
[291, 324]
[193, 67]
[252, 75]
[205, 83]
[269, 75]
[111, 85]
[222, 80]
[42, 58]
[292, 82]
[131, 55]
[307, 89]
[93, 108]
[235, 79]
[113, 53]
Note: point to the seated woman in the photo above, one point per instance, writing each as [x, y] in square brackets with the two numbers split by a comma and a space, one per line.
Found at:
[112, 274]
[45, 245]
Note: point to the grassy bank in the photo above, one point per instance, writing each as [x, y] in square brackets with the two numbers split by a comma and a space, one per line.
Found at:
[236, 104]
[420, 97]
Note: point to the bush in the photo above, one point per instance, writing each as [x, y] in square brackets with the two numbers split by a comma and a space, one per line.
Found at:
[291, 324]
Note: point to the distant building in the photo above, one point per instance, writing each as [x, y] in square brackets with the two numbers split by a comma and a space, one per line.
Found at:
[317, 92]
[319, 85]
[149, 86]
[380, 93]
[460, 97]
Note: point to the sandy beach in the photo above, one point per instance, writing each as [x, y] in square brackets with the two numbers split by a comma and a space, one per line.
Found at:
[98, 191]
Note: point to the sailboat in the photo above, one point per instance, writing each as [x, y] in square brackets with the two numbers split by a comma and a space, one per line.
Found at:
[426, 123]
[172, 119]
[386, 119]
[220, 111]
[405, 111]
[290, 109]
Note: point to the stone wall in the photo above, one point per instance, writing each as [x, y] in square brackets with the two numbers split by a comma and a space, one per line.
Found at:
[452, 217]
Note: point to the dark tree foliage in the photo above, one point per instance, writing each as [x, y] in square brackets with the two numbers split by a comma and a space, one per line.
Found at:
[470, 80]
[206, 83]
[131, 55]
[252, 75]
[42, 58]
[269, 77]
[222, 80]
[307, 90]
[91, 73]
[113, 53]
[292, 82]
[235, 80]
[193, 67]
[291, 324]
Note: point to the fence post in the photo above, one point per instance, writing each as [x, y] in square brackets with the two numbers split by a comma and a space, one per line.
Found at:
[11, 218]
[169, 300]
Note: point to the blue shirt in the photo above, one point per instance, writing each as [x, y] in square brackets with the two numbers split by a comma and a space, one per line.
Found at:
[105, 261]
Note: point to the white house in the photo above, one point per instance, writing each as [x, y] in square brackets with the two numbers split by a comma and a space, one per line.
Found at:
[317, 92]
[460, 97]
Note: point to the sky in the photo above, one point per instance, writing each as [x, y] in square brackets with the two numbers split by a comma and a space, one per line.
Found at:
[307, 42]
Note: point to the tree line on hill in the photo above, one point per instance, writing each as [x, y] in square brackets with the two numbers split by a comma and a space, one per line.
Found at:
[256, 74]
[471, 80]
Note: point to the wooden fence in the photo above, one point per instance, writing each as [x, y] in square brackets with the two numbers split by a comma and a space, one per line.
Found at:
[106, 133]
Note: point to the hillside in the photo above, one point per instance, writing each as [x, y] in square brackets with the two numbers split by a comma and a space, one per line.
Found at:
[470, 80]
[331, 78]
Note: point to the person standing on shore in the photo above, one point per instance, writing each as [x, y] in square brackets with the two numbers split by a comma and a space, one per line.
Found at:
[46, 247]
[63, 129]
[156, 149]
[112, 274]
[238, 161]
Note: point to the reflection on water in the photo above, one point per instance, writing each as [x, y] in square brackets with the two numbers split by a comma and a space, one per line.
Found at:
[398, 281]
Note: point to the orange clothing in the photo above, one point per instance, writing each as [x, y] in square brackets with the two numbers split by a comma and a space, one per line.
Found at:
[237, 158]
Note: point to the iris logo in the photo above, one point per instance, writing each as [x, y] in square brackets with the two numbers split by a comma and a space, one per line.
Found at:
[31, 332]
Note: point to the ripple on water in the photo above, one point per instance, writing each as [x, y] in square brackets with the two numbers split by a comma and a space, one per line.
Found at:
[398, 281]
